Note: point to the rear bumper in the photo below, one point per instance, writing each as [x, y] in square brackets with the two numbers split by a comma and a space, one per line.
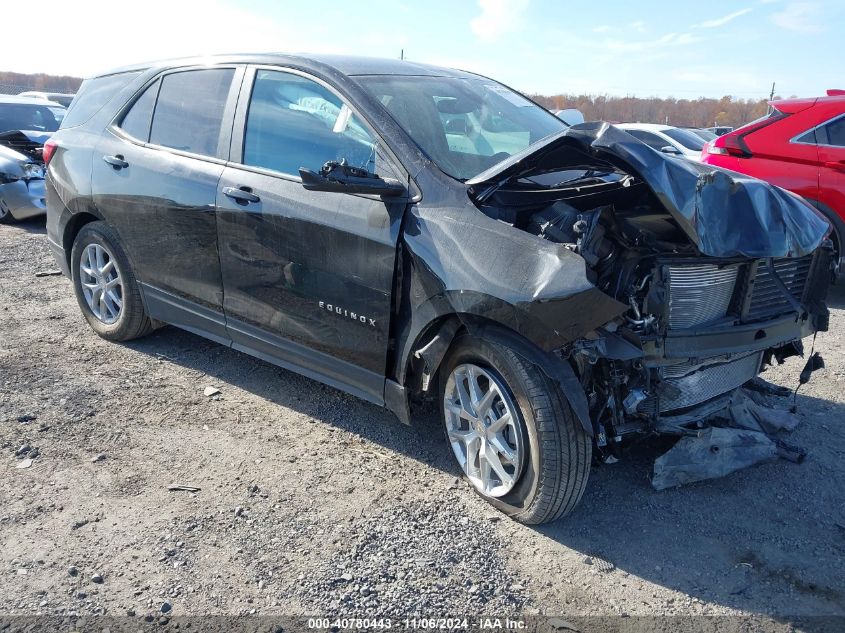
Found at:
[24, 199]
[60, 256]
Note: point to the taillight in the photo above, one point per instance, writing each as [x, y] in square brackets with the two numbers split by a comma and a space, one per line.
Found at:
[733, 143]
[48, 151]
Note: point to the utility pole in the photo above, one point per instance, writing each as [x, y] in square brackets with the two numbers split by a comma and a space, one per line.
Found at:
[402, 56]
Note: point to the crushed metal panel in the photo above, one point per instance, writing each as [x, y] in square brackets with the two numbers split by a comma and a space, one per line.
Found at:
[724, 213]
[714, 453]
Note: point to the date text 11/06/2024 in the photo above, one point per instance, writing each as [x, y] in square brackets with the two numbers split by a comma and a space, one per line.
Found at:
[418, 623]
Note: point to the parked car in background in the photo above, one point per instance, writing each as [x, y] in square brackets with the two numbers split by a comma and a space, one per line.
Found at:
[570, 116]
[63, 99]
[705, 135]
[799, 145]
[719, 130]
[58, 112]
[25, 124]
[667, 139]
[406, 232]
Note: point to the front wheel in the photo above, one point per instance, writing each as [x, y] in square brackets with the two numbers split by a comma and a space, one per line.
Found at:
[105, 286]
[512, 431]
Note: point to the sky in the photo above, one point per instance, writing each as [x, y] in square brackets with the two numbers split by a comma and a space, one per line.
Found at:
[684, 48]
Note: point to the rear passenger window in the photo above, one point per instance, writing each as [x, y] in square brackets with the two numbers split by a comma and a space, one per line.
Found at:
[189, 111]
[94, 94]
[834, 133]
[295, 122]
[137, 121]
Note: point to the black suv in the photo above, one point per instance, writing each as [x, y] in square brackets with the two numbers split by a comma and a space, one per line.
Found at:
[401, 231]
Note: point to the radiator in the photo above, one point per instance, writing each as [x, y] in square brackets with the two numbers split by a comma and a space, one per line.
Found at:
[767, 299]
[699, 294]
[685, 385]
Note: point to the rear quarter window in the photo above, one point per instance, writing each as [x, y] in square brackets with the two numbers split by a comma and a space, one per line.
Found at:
[93, 95]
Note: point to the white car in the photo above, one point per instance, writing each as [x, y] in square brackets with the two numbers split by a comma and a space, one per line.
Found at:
[667, 139]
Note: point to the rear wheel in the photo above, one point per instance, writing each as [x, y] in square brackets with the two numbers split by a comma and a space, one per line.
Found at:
[105, 286]
[512, 431]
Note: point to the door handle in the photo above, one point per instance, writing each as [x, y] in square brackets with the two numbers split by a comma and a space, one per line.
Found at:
[835, 164]
[116, 161]
[242, 195]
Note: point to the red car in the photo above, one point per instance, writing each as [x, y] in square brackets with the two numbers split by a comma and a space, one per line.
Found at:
[800, 146]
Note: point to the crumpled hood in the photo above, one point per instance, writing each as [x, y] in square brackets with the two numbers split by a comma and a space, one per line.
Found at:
[24, 144]
[725, 214]
[34, 136]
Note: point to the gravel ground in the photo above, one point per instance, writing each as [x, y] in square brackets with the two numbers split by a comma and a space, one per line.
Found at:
[313, 502]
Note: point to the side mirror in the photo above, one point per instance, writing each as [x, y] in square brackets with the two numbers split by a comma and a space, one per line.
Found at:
[668, 149]
[342, 178]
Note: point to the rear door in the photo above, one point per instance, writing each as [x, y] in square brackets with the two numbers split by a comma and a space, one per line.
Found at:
[307, 275]
[154, 178]
[831, 141]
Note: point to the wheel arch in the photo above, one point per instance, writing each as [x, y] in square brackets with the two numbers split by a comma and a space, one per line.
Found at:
[72, 228]
[431, 346]
[838, 226]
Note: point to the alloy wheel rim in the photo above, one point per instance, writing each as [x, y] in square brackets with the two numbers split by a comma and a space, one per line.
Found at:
[102, 284]
[484, 429]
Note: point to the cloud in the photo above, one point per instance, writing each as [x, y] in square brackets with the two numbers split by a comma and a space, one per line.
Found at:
[604, 28]
[497, 18]
[712, 24]
[668, 40]
[803, 17]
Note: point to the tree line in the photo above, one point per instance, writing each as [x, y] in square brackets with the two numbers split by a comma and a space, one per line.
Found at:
[700, 112]
[21, 82]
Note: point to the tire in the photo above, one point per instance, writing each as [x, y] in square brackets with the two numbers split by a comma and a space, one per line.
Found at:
[552, 468]
[114, 323]
[6, 216]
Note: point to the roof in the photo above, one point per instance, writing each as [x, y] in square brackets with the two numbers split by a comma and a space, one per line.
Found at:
[40, 94]
[349, 65]
[649, 127]
[28, 100]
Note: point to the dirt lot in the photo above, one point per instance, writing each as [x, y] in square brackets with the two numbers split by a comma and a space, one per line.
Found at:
[313, 502]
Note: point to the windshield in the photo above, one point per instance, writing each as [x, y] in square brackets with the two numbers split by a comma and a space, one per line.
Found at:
[465, 125]
[24, 116]
[685, 138]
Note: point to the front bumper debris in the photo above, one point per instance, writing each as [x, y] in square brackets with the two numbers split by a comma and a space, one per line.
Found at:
[24, 198]
[741, 430]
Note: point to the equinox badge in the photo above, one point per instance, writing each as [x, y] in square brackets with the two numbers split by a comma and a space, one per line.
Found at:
[346, 313]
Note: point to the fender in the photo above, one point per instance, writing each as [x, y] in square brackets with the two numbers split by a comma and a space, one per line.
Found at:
[434, 351]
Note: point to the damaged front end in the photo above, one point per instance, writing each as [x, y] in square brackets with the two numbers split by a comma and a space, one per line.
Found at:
[21, 175]
[721, 275]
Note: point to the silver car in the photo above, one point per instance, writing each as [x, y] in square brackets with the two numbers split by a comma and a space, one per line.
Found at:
[25, 125]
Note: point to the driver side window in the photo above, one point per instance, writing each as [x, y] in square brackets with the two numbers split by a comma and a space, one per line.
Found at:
[295, 122]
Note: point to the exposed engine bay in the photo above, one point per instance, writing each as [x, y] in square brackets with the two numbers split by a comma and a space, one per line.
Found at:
[684, 358]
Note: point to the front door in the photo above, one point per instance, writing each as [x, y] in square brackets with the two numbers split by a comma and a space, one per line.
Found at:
[307, 276]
